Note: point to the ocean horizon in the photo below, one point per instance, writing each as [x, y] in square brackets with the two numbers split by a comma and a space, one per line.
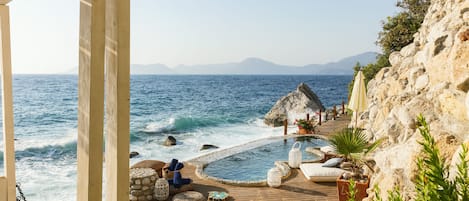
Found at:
[223, 110]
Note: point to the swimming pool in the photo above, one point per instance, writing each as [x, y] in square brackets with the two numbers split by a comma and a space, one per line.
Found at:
[253, 164]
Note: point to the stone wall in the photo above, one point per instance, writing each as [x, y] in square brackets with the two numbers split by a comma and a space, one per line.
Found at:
[142, 184]
[429, 77]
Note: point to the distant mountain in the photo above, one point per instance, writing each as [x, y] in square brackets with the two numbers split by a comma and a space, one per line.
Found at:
[343, 66]
[257, 66]
[139, 69]
[247, 66]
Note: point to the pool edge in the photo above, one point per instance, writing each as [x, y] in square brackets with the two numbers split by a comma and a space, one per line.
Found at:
[201, 161]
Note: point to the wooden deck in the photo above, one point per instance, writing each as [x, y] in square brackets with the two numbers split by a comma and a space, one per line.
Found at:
[296, 187]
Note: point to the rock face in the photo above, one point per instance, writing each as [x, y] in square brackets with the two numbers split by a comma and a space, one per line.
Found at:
[293, 106]
[208, 146]
[429, 77]
[170, 141]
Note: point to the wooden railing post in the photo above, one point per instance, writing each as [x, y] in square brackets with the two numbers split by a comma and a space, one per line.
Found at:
[334, 112]
[319, 117]
[343, 107]
[307, 117]
[285, 127]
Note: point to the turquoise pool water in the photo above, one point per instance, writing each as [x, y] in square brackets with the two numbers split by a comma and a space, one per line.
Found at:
[253, 164]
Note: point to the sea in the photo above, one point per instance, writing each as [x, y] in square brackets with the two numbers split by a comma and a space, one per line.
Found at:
[223, 110]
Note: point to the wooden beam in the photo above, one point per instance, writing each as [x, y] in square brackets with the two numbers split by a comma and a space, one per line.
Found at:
[7, 99]
[117, 99]
[90, 100]
[3, 189]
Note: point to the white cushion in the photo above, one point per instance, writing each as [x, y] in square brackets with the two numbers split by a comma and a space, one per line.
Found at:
[315, 172]
[327, 149]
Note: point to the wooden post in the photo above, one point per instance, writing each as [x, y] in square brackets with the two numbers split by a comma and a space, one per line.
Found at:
[319, 117]
[334, 112]
[90, 101]
[7, 100]
[343, 107]
[307, 117]
[117, 99]
[3, 189]
[285, 127]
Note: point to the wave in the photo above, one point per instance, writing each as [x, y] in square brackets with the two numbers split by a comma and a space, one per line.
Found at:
[49, 151]
[184, 124]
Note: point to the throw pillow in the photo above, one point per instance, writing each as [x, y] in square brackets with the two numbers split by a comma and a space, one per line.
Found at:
[333, 162]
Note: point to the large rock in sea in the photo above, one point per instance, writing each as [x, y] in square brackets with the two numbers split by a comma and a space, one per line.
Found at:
[293, 106]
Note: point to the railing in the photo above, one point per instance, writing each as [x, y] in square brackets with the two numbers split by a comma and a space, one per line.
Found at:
[3, 189]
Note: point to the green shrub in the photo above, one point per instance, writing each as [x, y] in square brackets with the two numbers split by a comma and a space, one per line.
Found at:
[432, 182]
[397, 33]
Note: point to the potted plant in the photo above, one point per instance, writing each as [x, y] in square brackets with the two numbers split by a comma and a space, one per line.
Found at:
[352, 145]
[305, 126]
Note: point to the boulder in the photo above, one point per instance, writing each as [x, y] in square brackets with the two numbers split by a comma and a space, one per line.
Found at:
[208, 146]
[293, 106]
[170, 141]
[153, 164]
[133, 154]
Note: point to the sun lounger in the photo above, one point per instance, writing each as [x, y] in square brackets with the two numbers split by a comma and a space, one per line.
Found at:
[315, 172]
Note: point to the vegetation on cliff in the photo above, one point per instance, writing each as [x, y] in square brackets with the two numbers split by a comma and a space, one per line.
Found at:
[397, 32]
[433, 181]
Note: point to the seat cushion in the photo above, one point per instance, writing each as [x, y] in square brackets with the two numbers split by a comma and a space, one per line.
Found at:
[315, 172]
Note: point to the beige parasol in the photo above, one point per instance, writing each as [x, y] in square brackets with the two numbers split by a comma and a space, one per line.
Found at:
[358, 102]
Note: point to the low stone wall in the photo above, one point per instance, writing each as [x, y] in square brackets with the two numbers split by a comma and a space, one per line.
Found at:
[142, 184]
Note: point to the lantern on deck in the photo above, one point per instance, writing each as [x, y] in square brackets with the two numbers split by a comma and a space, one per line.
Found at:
[294, 156]
[161, 191]
[274, 177]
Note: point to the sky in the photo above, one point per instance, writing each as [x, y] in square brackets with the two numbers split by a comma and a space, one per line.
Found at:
[44, 34]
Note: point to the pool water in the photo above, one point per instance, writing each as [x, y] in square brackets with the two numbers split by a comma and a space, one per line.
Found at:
[253, 164]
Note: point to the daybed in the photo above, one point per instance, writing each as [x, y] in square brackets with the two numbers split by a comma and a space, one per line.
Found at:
[315, 172]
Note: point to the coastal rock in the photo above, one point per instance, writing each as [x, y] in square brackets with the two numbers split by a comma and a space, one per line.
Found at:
[429, 77]
[133, 154]
[208, 146]
[293, 106]
[170, 141]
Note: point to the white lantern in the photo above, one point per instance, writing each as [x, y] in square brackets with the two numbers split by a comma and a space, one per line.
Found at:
[294, 156]
[161, 191]
[274, 177]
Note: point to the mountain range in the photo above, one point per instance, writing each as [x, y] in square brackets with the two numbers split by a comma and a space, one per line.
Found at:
[256, 66]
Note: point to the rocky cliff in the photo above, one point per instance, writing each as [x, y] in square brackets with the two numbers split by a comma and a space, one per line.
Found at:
[429, 77]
